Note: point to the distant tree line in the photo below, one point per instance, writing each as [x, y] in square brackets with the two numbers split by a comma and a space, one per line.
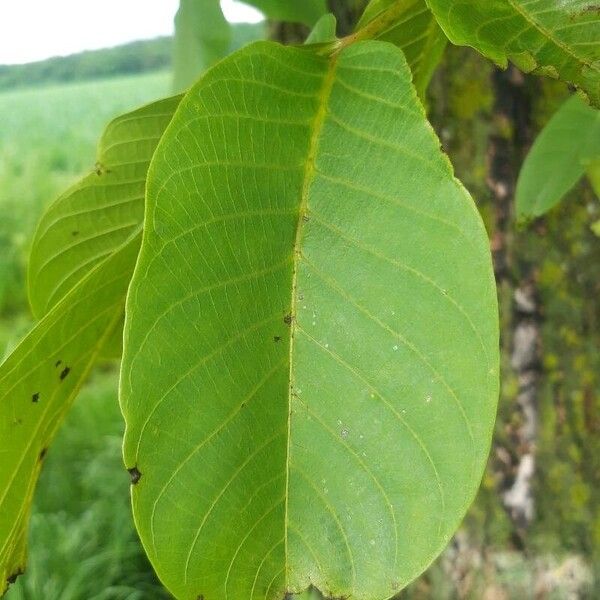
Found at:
[135, 57]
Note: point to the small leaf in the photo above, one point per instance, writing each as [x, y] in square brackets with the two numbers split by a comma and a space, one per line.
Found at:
[415, 31]
[556, 39]
[558, 158]
[38, 383]
[202, 37]
[323, 31]
[311, 351]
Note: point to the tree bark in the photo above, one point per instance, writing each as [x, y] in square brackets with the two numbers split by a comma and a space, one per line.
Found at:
[519, 301]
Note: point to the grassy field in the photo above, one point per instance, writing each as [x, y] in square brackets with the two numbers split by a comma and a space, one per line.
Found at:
[82, 539]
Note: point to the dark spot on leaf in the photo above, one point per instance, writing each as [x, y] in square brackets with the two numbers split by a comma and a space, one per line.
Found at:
[100, 169]
[305, 218]
[277, 338]
[288, 319]
[200, 597]
[135, 475]
[12, 578]
[58, 363]
[64, 372]
[74, 233]
[35, 397]
[43, 453]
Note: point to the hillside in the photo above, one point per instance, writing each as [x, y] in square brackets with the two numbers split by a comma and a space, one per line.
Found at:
[135, 57]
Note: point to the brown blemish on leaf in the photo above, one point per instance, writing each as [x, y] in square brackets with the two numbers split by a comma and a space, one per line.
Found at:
[100, 169]
[64, 372]
[74, 233]
[277, 338]
[288, 319]
[36, 397]
[58, 363]
[42, 454]
[12, 578]
[135, 475]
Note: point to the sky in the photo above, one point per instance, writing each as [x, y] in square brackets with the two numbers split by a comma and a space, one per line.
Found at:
[32, 30]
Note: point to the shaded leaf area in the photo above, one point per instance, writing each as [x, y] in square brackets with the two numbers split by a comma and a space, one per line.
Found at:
[414, 30]
[310, 375]
[558, 39]
[566, 148]
[39, 381]
[99, 213]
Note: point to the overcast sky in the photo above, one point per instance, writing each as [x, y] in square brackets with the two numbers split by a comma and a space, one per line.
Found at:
[36, 29]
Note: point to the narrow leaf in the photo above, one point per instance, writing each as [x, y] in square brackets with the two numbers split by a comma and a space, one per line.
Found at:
[558, 39]
[558, 158]
[310, 370]
[414, 30]
[38, 382]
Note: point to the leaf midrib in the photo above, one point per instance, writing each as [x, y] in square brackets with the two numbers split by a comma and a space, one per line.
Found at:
[309, 175]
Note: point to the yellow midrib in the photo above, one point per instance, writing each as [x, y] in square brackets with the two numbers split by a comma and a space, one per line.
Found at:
[309, 175]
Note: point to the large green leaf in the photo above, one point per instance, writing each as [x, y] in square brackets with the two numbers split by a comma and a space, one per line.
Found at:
[304, 11]
[559, 39]
[202, 37]
[310, 369]
[38, 382]
[565, 148]
[414, 30]
[95, 216]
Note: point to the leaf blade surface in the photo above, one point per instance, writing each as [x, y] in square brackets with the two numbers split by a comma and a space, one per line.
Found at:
[274, 371]
[566, 147]
[558, 39]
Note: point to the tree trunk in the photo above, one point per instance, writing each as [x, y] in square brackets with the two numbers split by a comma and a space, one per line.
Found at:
[519, 302]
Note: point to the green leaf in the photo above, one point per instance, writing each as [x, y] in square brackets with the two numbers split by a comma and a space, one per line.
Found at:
[38, 382]
[99, 213]
[593, 173]
[202, 37]
[414, 30]
[323, 31]
[77, 285]
[305, 11]
[558, 158]
[311, 350]
[558, 39]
